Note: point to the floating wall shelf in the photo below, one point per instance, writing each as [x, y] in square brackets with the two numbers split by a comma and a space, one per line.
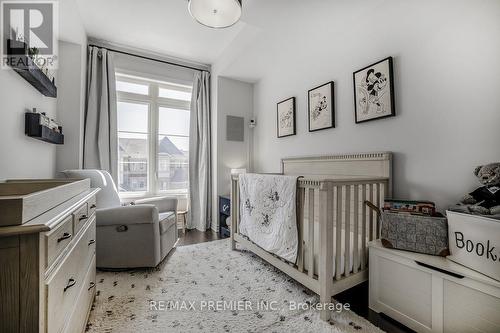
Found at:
[32, 128]
[25, 67]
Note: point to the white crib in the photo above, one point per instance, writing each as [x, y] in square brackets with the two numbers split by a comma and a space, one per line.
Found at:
[333, 222]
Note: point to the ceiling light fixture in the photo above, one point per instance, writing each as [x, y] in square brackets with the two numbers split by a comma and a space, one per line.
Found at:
[215, 13]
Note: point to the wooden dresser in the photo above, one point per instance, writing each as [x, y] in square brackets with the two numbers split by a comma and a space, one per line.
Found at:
[47, 261]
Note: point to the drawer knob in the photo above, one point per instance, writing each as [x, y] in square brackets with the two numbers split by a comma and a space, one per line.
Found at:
[92, 241]
[64, 236]
[71, 283]
[83, 217]
[92, 285]
[93, 206]
[121, 228]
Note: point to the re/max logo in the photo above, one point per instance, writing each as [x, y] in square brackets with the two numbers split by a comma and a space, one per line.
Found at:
[478, 248]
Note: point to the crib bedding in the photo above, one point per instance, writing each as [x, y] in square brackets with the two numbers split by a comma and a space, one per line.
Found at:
[268, 219]
[268, 213]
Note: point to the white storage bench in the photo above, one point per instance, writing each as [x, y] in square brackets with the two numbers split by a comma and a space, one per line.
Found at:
[475, 242]
[431, 294]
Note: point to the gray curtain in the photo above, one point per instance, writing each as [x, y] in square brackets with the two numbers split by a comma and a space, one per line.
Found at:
[100, 148]
[200, 182]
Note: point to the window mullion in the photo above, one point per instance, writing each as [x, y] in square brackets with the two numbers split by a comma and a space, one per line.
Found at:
[154, 139]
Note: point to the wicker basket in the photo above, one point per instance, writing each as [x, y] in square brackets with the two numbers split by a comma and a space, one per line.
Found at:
[415, 233]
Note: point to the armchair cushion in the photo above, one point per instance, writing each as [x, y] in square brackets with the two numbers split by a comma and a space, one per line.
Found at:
[164, 204]
[167, 216]
[108, 196]
[143, 214]
[167, 219]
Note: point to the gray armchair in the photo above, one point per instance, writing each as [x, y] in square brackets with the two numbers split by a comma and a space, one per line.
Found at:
[136, 235]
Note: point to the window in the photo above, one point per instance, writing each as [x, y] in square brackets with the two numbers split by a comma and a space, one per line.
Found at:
[175, 94]
[153, 135]
[133, 151]
[173, 144]
[131, 87]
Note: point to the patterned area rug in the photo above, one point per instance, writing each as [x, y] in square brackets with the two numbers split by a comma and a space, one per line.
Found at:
[209, 288]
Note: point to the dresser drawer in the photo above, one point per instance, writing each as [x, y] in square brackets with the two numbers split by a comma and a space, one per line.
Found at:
[92, 204]
[85, 249]
[57, 240]
[62, 291]
[64, 286]
[87, 245]
[78, 319]
[80, 217]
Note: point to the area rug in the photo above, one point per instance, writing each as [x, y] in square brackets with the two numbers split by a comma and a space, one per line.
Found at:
[209, 288]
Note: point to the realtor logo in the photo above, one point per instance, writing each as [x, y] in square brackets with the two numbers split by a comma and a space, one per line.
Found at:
[29, 34]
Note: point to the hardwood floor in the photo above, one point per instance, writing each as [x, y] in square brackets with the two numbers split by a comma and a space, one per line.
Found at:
[357, 296]
[195, 236]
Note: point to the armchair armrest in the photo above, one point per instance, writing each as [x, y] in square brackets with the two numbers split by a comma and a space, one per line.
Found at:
[164, 204]
[143, 214]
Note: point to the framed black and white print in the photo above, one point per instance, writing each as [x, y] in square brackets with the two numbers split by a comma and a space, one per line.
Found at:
[286, 117]
[374, 92]
[320, 102]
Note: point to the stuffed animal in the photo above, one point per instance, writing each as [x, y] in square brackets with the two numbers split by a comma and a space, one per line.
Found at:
[484, 200]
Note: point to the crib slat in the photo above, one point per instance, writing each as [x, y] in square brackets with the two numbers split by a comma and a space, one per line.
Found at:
[310, 221]
[379, 205]
[363, 226]
[234, 217]
[325, 262]
[237, 208]
[300, 217]
[338, 236]
[355, 259]
[347, 221]
[370, 217]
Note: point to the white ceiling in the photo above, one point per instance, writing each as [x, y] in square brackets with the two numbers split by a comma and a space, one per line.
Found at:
[160, 26]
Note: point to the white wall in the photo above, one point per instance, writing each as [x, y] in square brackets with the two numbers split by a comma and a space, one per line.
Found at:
[71, 27]
[71, 85]
[22, 156]
[71, 104]
[233, 98]
[447, 69]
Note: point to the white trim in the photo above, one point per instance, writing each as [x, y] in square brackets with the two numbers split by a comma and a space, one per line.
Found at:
[153, 89]
[139, 76]
[126, 196]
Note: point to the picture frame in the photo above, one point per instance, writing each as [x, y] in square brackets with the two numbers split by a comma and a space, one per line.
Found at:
[321, 107]
[374, 91]
[285, 115]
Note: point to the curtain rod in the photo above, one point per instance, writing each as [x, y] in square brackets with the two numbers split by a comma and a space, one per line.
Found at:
[148, 58]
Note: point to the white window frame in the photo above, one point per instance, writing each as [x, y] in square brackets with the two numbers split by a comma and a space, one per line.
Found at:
[154, 102]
